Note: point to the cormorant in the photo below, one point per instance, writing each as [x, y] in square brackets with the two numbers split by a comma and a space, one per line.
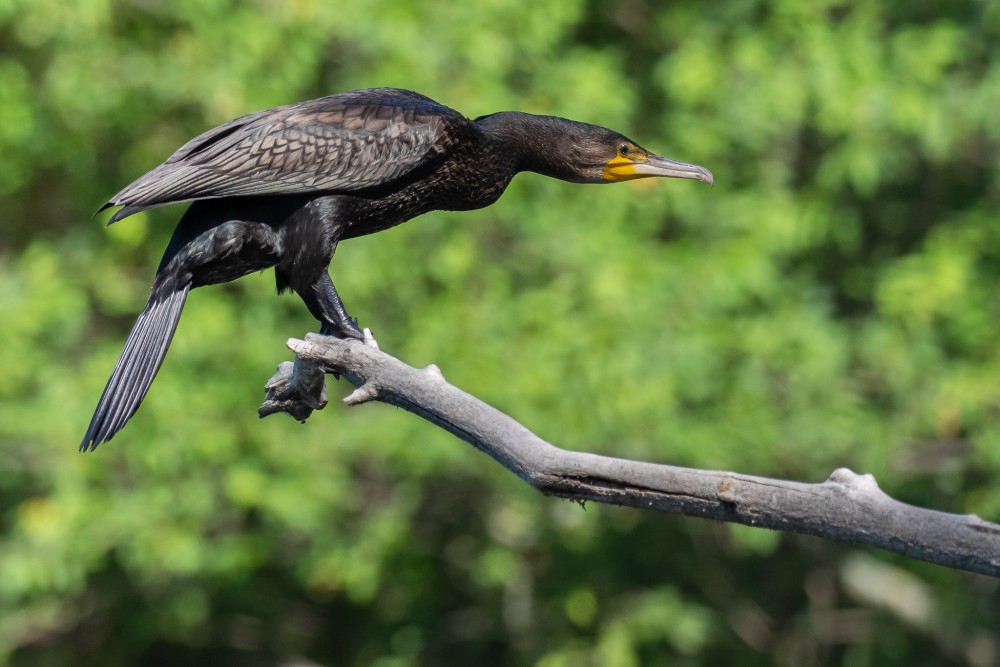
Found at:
[280, 188]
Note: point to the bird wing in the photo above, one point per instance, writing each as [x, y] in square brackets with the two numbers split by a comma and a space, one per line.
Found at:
[340, 143]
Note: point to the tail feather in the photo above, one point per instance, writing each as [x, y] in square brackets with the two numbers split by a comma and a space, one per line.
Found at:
[137, 357]
[137, 366]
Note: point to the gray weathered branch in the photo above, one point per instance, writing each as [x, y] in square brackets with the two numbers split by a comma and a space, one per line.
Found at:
[847, 506]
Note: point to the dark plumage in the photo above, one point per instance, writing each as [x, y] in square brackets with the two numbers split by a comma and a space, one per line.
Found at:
[280, 188]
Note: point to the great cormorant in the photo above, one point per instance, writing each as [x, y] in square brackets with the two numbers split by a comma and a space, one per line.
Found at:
[280, 188]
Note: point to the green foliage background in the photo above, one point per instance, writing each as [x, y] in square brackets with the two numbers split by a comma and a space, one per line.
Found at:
[834, 300]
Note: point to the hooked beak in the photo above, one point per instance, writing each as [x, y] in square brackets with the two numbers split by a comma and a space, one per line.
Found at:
[652, 165]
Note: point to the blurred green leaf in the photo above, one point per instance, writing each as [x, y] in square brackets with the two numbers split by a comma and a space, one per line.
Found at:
[831, 301]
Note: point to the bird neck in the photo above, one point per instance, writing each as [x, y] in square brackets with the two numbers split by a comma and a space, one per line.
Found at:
[531, 142]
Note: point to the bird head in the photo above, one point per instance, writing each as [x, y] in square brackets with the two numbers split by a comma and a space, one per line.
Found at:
[631, 161]
[581, 152]
[595, 154]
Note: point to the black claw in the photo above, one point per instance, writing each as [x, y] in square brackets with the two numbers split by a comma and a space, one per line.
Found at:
[347, 330]
[353, 332]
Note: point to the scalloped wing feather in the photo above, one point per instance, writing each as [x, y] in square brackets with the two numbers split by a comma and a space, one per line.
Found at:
[341, 143]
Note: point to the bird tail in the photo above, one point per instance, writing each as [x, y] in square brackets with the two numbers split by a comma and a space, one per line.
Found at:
[137, 366]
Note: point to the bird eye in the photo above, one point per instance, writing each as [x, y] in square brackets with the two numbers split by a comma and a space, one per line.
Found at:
[623, 150]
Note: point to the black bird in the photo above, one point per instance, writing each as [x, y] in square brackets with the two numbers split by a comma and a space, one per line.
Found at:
[280, 188]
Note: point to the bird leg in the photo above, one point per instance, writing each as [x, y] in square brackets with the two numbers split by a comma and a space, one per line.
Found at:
[324, 303]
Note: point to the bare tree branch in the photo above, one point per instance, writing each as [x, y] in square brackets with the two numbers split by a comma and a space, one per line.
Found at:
[847, 506]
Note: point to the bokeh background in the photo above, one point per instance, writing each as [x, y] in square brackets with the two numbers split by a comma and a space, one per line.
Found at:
[833, 301]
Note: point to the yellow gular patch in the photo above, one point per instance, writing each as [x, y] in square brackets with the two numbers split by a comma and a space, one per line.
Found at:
[620, 169]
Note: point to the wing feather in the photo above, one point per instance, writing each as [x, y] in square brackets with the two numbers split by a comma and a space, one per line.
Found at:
[340, 143]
